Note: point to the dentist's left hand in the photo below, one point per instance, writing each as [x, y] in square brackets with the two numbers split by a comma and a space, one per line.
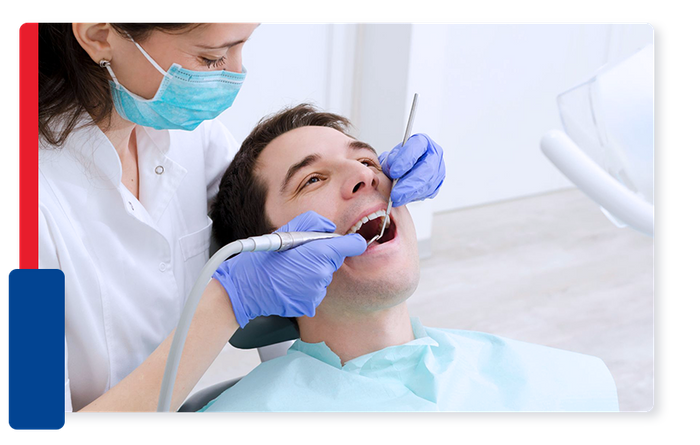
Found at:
[291, 283]
[419, 164]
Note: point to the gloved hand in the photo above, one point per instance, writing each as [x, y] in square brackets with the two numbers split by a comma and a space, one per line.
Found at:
[291, 283]
[420, 166]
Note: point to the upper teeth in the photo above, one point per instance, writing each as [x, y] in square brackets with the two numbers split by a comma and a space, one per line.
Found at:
[370, 217]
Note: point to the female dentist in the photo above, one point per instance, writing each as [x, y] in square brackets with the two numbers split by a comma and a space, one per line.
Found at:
[129, 158]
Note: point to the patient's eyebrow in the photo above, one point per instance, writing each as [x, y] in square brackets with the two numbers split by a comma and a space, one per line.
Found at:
[359, 145]
[310, 159]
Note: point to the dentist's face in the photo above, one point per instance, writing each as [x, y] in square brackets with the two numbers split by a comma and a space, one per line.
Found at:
[322, 169]
[206, 47]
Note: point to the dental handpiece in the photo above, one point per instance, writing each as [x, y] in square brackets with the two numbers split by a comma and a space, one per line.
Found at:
[277, 241]
[280, 241]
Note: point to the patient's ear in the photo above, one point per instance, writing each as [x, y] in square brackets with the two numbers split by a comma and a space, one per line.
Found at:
[94, 39]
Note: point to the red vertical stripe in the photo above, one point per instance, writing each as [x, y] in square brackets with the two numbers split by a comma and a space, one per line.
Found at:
[29, 146]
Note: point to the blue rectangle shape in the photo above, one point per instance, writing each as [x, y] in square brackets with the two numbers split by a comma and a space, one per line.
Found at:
[37, 354]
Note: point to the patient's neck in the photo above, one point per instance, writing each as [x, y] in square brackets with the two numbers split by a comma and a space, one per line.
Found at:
[351, 335]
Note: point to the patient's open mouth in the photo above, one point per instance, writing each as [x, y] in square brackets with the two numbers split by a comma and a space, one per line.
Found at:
[370, 226]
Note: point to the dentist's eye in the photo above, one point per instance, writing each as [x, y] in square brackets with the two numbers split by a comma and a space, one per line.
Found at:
[214, 63]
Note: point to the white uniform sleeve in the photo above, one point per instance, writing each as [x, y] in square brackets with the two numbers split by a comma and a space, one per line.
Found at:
[48, 259]
[48, 256]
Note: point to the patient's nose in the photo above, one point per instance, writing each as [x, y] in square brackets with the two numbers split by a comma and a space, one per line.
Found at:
[360, 180]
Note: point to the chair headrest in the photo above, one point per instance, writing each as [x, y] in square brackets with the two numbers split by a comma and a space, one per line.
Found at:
[265, 331]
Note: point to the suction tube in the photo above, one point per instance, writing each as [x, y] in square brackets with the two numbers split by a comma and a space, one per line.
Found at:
[277, 241]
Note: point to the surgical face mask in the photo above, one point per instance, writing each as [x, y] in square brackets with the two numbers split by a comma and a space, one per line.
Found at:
[184, 99]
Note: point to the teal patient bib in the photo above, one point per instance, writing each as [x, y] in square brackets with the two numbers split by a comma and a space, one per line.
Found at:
[441, 370]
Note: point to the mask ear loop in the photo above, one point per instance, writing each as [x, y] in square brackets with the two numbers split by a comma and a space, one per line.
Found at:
[104, 63]
[150, 59]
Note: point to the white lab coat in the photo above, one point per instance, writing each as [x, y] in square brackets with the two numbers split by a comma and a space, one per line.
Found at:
[129, 264]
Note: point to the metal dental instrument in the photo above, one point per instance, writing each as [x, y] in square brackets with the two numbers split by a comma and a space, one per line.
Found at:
[406, 135]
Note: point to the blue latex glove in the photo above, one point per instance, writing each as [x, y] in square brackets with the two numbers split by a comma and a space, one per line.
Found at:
[420, 166]
[291, 283]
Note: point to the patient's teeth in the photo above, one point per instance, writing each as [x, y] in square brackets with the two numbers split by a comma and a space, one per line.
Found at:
[371, 216]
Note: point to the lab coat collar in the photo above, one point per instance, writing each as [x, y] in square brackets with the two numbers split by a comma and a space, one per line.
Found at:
[159, 175]
[89, 144]
[92, 148]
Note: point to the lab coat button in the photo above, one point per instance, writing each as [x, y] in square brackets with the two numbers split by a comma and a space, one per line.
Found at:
[162, 267]
[160, 170]
[132, 206]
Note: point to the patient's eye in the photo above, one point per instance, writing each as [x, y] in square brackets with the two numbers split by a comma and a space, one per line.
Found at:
[311, 180]
[369, 163]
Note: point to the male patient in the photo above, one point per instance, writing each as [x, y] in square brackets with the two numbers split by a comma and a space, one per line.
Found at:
[361, 351]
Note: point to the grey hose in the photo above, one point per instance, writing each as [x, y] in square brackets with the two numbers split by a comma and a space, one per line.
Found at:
[277, 241]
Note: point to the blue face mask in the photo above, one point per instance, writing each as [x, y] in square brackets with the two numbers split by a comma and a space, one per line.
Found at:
[184, 99]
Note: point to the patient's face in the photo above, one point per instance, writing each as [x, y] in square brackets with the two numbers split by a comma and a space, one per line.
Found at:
[342, 180]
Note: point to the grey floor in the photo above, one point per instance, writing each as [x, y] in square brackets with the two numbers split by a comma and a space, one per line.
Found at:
[548, 269]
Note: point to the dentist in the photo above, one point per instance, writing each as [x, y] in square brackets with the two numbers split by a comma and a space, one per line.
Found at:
[130, 156]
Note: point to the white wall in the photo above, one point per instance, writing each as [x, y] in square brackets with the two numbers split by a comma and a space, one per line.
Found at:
[290, 64]
[488, 92]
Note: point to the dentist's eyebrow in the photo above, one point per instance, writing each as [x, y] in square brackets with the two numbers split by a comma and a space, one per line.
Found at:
[294, 169]
[225, 45]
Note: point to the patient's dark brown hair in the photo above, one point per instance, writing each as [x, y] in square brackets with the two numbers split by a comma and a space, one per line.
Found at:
[239, 209]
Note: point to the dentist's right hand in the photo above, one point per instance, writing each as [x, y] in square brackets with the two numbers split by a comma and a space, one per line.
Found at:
[291, 283]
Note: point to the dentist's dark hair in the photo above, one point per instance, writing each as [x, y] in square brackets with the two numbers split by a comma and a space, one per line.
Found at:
[71, 83]
[238, 211]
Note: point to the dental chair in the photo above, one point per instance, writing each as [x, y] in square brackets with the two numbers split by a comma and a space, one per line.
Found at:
[272, 336]
[607, 149]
